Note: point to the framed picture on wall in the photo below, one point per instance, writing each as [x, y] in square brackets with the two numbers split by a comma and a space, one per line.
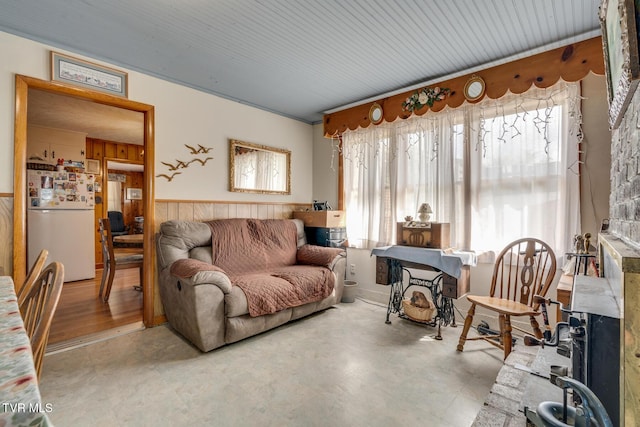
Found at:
[134, 193]
[78, 72]
[621, 60]
[92, 166]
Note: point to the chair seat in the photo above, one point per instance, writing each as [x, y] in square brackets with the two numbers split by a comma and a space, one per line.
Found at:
[128, 257]
[503, 306]
[116, 259]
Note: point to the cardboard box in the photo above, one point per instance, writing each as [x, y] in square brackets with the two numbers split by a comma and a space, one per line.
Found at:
[329, 219]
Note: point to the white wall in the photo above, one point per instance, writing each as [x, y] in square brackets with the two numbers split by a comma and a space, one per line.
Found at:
[325, 168]
[182, 116]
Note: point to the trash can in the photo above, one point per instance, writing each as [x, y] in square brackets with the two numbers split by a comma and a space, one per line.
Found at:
[350, 289]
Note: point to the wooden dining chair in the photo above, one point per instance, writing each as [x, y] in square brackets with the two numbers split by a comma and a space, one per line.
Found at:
[116, 259]
[526, 267]
[33, 274]
[38, 307]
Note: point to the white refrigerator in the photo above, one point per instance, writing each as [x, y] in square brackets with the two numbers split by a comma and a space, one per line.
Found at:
[60, 218]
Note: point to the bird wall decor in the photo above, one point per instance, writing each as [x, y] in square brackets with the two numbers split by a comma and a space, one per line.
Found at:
[202, 161]
[198, 150]
[180, 164]
[168, 177]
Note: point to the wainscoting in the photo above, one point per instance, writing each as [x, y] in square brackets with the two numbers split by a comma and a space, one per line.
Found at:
[203, 211]
[6, 234]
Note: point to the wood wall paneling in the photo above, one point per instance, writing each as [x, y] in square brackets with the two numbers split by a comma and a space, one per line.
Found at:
[570, 63]
[110, 149]
[6, 231]
[98, 149]
[122, 152]
[134, 153]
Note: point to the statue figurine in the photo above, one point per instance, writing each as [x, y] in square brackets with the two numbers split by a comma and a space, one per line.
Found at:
[578, 242]
[587, 242]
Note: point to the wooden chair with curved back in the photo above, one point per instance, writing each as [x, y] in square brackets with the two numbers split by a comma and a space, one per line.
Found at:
[38, 307]
[33, 274]
[526, 267]
[116, 259]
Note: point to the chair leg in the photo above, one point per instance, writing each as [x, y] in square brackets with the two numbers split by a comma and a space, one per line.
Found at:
[139, 287]
[505, 331]
[105, 273]
[107, 292]
[536, 327]
[467, 326]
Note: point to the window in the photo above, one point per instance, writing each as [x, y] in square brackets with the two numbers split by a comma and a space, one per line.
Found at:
[497, 171]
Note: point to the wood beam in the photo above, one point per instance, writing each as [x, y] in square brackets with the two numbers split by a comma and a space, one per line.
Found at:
[571, 63]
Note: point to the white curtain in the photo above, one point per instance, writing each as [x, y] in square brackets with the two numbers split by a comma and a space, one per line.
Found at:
[115, 196]
[497, 171]
[260, 169]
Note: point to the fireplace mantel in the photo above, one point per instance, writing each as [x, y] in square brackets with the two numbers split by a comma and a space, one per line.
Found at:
[620, 265]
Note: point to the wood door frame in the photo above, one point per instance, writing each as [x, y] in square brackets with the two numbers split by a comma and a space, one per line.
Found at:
[22, 86]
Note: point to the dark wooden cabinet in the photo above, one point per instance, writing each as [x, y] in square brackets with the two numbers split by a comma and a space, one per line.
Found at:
[456, 288]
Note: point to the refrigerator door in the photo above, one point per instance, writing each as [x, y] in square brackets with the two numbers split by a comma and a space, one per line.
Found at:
[60, 190]
[68, 236]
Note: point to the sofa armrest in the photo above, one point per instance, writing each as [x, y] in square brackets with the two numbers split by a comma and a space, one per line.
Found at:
[195, 272]
[319, 255]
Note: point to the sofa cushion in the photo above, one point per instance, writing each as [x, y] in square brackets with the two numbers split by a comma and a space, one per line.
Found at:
[177, 238]
[282, 288]
[242, 246]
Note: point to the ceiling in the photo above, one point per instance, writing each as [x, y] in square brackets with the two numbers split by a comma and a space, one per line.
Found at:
[96, 120]
[302, 58]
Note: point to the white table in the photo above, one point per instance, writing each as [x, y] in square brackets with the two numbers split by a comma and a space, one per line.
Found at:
[20, 401]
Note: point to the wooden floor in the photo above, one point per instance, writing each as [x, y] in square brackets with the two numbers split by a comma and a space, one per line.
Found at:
[81, 313]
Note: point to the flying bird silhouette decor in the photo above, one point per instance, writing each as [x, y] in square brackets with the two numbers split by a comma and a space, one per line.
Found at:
[198, 150]
[168, 177]
[180, 164]
[170, 166]
[202, 161]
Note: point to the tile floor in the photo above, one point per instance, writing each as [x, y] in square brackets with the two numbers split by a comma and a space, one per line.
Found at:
[340, 367]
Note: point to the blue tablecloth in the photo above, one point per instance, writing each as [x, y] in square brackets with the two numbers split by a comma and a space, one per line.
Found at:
[448, 262]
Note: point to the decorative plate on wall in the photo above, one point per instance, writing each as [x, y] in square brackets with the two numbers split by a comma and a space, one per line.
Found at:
[474, 88]
[375, 114]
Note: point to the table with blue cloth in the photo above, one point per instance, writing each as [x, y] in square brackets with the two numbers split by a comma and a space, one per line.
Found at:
[20, 401]
[450, 282]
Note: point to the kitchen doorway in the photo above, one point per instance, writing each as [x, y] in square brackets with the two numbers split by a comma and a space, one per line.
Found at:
[23, 86]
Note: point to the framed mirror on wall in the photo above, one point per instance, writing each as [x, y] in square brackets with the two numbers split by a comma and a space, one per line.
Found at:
[255, 168]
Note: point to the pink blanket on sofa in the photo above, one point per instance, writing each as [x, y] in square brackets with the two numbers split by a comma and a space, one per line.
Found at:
[286, 287]
[259, 257]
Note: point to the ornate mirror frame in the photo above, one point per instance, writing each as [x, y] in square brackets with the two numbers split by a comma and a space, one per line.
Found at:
[235, 148]
[474, 88]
